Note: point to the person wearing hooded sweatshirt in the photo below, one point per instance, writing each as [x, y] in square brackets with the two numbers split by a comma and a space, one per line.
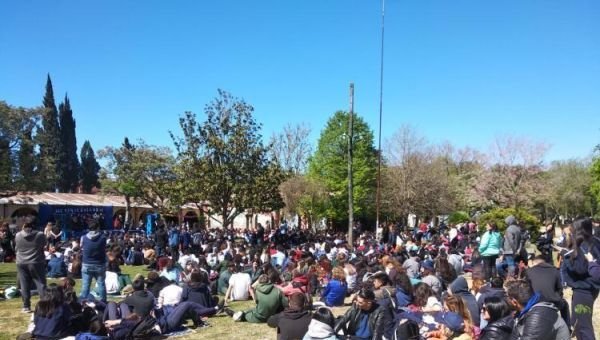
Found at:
[460, 288]
[545, 279]
[535, 319]
[31, 263]
[512, 243]
[269, 301]
[141, 302]
[293, 322]
[321, 325]
[198, 290]
[94, 261]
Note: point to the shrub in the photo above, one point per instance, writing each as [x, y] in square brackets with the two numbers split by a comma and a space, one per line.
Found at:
[498, 216]
[458, 217]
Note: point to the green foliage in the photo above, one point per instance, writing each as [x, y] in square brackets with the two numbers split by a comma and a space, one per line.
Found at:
[89, 168]
[68, 166]
[499, 216]
[595, 174]
[49, 141]
[458, 217]
[329, 166]
[222, 160]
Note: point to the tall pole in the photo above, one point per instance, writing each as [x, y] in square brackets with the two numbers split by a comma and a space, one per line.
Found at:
[350, 177]
[378, 198]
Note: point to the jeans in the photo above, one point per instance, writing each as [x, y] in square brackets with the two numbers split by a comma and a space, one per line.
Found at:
[509, 260]
[582, 306]
[173, 317]
[31, 274]
[89, 272]
[489, 266]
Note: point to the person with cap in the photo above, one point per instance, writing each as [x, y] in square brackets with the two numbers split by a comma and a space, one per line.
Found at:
[535, 319]
[31, 263]
[366, 319]
[460, 288]
[293, 322]
[428, 277]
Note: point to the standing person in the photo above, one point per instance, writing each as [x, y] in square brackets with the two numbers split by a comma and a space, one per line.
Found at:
[489, 249]
[512, 243]
[544, 243]
[31, 262]
[576, 275]
[161, 240]
[94, 261]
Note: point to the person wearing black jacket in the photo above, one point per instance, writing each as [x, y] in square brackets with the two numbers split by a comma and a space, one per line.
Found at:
[161, 240]
[155, 283]
[141, 302]
[198, 290]
[365, 319]
[545, 279]
[575, 274]
[293, 322]
[535, 319]
[500, 321]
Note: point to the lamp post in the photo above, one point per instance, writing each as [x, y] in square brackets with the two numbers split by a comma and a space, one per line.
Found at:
[378, 198]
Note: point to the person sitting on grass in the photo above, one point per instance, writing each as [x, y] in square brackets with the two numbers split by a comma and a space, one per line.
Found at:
[56, 267]
[52, 316]
[321, 325]
[335, 291]
[293, 322]
[269, 301]
[198, 290]
[365, 319]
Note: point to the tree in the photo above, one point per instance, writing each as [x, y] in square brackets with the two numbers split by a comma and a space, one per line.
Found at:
[142, 172]
[291, 148]
[223, 158]
[89, 168]
[329, 166]
[567, 188]
[49, 140]
[17, 124]
[68, 165]
[513, 178]
[595, 177]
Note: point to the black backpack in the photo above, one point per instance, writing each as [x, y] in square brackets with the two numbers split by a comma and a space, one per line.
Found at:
[145, 329]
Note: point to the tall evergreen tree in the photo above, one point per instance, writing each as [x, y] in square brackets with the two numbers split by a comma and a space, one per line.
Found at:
[69, 163]
[49, 140]
[89, 168]
[27, 161]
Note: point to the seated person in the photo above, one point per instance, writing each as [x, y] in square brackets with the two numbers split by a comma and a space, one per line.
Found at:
[56, 267]
[239, 286]
[198, 290]
[365, 319]
[321, 325]
[293, 322]
[334, 293]
[269, 301]
[52, 315]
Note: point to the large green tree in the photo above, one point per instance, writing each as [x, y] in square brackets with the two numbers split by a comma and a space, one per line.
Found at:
[89, 168]
[68, 165]
[49, 140]
[595, 174]
[222, 160]
[329, 166]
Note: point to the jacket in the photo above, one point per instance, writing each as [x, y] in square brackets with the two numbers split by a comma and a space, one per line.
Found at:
[318, 330]
[29, 247]
[55, 327]
[491, 244]
[378, 318]
[512, 237]
[545, 279]
[269, 301]
[57, 267]
[459, 287]
[487, 291]
[93, 245]
[199, 293]
[575, 268]
[498, 330]
[540, 320]
[141, 301]
[334, 293]
[291, 324]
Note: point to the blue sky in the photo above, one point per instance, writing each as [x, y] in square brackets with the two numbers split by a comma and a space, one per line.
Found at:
[463, 71]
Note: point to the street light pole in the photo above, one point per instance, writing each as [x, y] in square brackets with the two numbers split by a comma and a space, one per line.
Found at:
[350, 179]
[378, 198]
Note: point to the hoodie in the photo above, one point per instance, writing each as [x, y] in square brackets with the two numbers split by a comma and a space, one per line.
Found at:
[141, 302]
[512, 236]
[269, 301]
[94, 248]
[460, 288]
[318, 330]
[291, 324]
[198, 292]
[545, 279]
[29, 246]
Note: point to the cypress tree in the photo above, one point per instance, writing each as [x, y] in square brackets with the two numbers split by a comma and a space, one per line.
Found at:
[49, 140]
[69, 163]
[27, 161]
[89, 168]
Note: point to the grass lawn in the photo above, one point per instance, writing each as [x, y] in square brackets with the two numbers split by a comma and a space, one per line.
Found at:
[13, 322]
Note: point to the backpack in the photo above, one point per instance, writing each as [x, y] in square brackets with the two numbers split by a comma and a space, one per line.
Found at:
[144, 329]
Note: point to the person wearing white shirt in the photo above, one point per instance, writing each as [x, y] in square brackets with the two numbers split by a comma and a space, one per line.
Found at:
[239, 287]
[170, 295]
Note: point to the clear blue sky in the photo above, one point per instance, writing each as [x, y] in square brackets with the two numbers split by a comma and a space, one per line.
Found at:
[463, 71]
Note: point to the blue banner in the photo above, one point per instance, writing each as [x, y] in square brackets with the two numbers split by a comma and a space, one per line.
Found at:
[75, 219]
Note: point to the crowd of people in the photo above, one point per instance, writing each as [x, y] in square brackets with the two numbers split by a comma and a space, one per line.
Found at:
[459, 281]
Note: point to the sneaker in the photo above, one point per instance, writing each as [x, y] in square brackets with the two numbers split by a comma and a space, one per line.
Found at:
[228, 311]
[203, 324]
[221, 307]
[238, 316]
[26, 310]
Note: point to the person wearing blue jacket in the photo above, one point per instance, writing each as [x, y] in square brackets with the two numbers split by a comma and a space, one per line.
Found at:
[335, 291]
[56, 267]
[94, 261]
[489, 248]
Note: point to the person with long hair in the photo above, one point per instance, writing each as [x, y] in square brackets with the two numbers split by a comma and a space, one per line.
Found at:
[52, 315]
[497, 314]
[335, 291]
[576, 275]
[456, 305]
[321, 325]
[489, 248]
